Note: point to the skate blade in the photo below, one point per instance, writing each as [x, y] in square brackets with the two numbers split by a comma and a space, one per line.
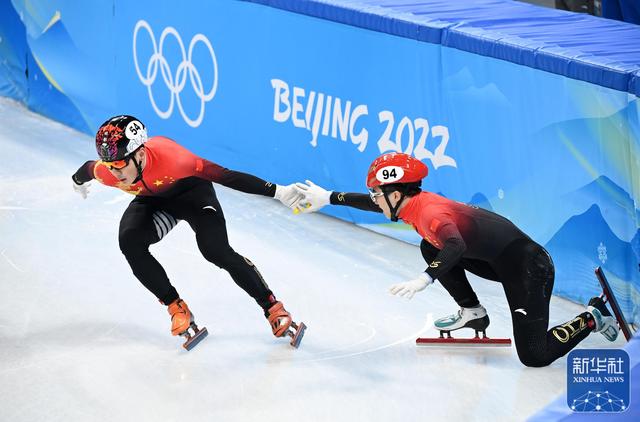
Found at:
[609, 298]
[464, 342]
[296, 337]
[193, 341]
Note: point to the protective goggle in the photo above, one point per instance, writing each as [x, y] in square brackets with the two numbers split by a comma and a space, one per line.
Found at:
[373, 194]
[118, 164]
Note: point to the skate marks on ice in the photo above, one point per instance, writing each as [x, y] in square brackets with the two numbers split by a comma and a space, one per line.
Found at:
[6, 208]
[10, 262]
[364, 343]
[55, 345]
[342, 353]
[360, 332]
[7, 216]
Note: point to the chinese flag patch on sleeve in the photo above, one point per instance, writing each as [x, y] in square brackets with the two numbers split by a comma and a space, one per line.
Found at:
[433, 226]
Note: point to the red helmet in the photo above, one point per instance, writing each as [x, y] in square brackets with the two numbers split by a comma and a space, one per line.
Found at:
[395, 167]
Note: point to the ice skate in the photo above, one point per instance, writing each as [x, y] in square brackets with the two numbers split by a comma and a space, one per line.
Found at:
[181, 321]
[607, 296]
[475, 318]
[282, 324]
[606, 324]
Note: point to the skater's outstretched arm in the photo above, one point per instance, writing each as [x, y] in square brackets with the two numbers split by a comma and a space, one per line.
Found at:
[249, 183]
[315, 197]
[243, 182]
[82, 177]
[453, 247]
[409, 288]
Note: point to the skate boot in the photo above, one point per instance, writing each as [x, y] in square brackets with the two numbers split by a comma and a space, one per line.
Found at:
[475, 318]
[281, 324]
[606, 324]
[181, 321]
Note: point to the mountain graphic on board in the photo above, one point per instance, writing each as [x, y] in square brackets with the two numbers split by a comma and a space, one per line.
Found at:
[617, 206]
[479, 200]
[584, 242]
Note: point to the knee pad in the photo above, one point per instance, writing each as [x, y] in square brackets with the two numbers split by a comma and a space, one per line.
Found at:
[532, 362]
[531, 344]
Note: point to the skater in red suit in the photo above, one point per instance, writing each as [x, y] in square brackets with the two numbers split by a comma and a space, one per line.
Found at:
[171, 184]
[458, 237]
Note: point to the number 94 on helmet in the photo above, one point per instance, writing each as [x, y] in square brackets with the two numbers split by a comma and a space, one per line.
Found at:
[395, 168]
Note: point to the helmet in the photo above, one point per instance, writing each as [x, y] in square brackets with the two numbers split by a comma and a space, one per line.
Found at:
[395, 168]
[119, 137]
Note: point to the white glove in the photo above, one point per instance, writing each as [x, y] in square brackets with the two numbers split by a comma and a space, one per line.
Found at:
[288, 195]
[313, 197]
[82, 189]
[411, 287]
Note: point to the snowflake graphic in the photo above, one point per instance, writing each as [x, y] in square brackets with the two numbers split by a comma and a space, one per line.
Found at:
[602, 252]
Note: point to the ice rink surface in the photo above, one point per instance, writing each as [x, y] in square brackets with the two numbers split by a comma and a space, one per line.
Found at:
[82, 340]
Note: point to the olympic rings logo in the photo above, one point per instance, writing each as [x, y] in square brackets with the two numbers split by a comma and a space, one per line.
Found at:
[175, 84]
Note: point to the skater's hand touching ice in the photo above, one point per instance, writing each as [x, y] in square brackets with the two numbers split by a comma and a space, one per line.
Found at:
[82, 189]
[411, 287]
[288, 195]
[314, 197]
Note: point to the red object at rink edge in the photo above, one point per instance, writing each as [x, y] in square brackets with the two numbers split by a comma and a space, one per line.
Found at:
[476, 342]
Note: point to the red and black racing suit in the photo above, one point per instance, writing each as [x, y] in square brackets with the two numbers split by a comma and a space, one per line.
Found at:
[458, 237]
[176, 185]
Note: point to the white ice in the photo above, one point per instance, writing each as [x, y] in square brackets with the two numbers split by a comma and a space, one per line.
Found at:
[82, 340]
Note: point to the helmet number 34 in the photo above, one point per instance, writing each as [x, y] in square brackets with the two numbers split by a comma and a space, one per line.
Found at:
[390, 174]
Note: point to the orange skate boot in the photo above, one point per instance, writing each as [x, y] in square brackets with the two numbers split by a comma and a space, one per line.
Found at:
[181, 321]
[281, 324]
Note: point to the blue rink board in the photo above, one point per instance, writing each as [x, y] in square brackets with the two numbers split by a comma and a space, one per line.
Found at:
[579, 46]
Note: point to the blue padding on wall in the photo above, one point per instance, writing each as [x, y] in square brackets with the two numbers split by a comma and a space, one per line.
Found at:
[13, 50]
[578, 46]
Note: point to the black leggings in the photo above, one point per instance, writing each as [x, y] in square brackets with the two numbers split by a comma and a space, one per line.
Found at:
[148, 219]
[526, 272]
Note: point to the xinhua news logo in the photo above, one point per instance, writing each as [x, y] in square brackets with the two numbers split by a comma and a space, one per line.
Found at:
[598, 380]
